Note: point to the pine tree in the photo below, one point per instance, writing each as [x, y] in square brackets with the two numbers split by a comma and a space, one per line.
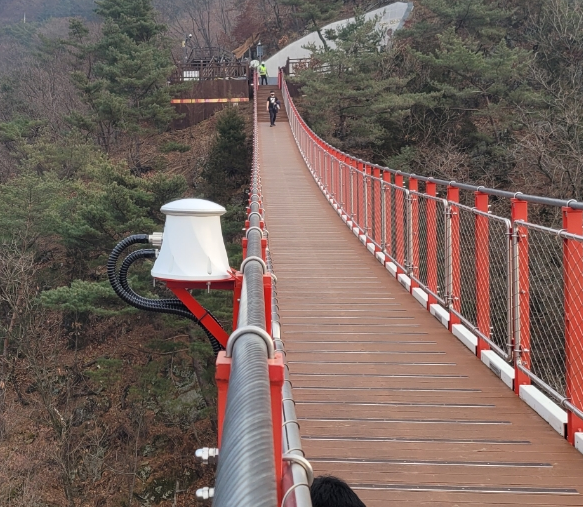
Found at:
[350, 93]
[124, 81]
[479, 18]
[315, 13]
[228, 166]
[471, 77]
[134, 18]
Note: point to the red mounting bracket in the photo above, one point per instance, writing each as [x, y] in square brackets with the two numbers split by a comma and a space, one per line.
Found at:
[276, 379]
[263, 248]
[181, 291]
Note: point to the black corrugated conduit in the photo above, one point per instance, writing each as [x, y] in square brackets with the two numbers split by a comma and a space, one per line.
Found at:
[120, 285]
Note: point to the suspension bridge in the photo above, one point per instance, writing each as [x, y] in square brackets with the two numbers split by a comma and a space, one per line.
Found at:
[435, 348]
[420, 339]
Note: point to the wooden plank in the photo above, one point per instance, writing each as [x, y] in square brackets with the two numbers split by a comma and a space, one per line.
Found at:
[387, 399]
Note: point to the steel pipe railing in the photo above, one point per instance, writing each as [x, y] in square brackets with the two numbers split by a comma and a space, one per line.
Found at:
[246, 473]
[247, 468]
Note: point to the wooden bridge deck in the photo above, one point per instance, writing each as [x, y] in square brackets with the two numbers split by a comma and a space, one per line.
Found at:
[387, 398]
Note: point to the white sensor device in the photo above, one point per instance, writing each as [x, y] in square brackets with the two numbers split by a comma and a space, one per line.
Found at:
[192, 246]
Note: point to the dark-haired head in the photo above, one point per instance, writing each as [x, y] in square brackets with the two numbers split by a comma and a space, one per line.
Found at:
[329, 491]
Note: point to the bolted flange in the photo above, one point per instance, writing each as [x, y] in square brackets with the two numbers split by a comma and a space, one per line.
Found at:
[156, 238]
[205, 494]
[207, 455]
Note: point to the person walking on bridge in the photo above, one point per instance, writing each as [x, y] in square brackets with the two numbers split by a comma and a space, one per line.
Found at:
[273, 105]
[263, 73]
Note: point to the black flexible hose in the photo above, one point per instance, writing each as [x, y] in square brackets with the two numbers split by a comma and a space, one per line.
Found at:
[167, 305]
[144, 253]
[123, 290]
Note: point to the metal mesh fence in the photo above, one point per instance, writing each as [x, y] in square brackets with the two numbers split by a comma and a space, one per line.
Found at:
[429, 269]
[573, 284]
[359, 216]
[350, 207]
[467, 264]
[544, 339]
[376, 222]
[335, 174]
[396, 246]
[327, 172]
[485, 276]
[344, 185]
[500, 283]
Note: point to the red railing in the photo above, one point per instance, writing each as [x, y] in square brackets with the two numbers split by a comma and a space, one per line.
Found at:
[512, 290]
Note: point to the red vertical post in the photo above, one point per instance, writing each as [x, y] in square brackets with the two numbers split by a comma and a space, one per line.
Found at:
[325, 166]
[237, 295]
[334, 175]
[222, 374]
[414, 187]
[453, 196]
[320, 151]
[276, 379]
[369, 190]
[388, 232]
[521, 311]
[349, 185]
[376, 225]
[431, 224]
[399, 223]
[573, 286]
[352, 193]
[482, 248]
[329, 171]
[343, 184]
[360, 193]
[267, 295]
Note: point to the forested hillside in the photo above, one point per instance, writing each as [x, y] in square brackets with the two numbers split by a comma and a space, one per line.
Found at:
[483, 91]
[101, 405]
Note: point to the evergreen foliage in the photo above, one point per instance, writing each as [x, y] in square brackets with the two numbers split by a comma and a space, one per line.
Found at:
[316, 13]
[134, 18]
[446, 96]
[229, 160]
[68, 345]
[29, 207]
[123, 76]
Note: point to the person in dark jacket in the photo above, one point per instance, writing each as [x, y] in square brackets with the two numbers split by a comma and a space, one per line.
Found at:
[273, 105]
[329, 491]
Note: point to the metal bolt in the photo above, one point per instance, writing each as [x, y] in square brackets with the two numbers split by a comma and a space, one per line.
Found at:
[207, 455]
[205, 494]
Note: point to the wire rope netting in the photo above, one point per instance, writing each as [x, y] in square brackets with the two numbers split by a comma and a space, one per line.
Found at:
[375, 224]
[358, 217]
[396, 224]
[429, 268]
[485, 276]
[543, 341]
